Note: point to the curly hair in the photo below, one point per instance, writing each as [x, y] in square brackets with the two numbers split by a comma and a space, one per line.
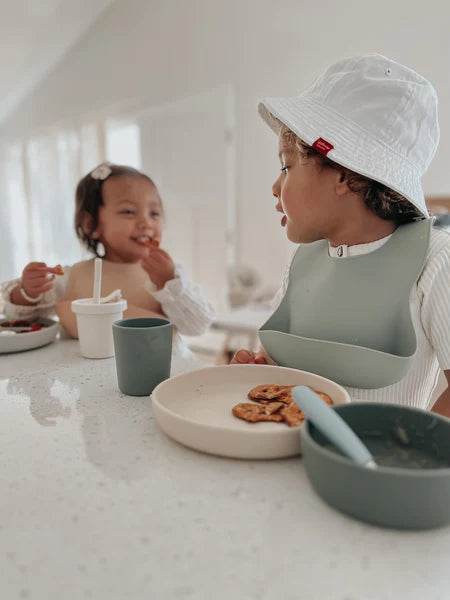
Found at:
[381, 200]
[88, 199]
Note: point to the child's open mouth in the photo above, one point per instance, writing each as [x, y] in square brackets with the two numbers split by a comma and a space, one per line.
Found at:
[145, 240]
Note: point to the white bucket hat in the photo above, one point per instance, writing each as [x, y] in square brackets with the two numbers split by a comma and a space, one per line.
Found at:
[369, 114]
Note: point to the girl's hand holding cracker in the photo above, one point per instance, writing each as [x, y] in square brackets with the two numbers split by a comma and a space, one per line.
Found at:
[37, 278]
[159, 266]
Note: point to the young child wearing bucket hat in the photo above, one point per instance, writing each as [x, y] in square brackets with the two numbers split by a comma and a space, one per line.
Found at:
[366, 298]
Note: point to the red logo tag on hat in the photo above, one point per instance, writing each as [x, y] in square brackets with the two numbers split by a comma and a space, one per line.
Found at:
[322, 146]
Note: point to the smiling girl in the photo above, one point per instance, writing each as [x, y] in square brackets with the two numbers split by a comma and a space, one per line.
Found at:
[118, 216]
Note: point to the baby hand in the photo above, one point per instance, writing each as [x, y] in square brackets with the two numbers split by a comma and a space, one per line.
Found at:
[246, 357]
[35, 279]
[159, 266]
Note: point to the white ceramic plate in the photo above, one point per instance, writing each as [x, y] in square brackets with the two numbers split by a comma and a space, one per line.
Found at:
[195, 409]
[31, 339]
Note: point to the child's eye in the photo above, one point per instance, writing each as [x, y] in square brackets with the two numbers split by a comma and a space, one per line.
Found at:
[155, 214]
[285, 169]
[127, 211]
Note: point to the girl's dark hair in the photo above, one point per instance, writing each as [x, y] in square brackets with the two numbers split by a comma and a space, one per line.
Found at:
[381, 200]
[88, 198]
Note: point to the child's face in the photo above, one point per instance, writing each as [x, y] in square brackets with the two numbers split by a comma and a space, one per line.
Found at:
[306, 197]
[130, 215]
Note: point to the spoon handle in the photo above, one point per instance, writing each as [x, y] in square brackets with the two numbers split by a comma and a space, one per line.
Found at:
[332, 426]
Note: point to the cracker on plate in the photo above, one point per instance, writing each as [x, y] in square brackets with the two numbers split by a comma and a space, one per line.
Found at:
[255, 412]
[269, 391]
[275, 403]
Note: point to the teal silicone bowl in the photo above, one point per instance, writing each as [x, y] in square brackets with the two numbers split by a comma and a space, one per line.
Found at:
[397, 497]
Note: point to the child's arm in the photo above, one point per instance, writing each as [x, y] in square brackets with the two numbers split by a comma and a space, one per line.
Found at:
[66, 317]
[180, 299]
[185, 306]
[442, 404]
[434, 298]
[42, 289]
[37, 279]
[159, 266]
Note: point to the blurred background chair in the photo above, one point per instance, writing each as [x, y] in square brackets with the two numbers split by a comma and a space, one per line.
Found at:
[439, 207]
[248, 298]
[247, 288]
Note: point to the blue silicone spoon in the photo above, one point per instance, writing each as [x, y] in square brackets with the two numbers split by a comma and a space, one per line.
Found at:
[332, 426]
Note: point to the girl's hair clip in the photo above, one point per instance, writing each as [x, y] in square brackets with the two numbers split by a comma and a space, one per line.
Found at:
[101, 172]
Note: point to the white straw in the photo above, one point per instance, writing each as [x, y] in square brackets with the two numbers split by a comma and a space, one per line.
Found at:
[97, 280]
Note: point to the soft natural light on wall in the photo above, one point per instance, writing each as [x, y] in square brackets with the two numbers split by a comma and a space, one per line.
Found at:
[123, 144]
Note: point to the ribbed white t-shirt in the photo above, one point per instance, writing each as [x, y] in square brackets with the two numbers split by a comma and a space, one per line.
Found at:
[430, 309]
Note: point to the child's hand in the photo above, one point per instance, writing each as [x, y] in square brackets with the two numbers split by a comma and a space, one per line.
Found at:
[159, 266]
[246, 357]
[35, 279]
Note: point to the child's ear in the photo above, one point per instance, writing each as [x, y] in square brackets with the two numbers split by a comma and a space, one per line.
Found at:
[341, 183]
[88, 226]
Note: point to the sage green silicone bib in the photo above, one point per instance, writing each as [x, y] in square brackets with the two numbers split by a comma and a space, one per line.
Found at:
[349, 319]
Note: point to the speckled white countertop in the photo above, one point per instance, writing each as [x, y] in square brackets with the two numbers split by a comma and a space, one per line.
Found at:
[97, 502]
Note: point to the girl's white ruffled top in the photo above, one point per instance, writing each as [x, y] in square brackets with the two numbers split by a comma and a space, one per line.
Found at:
[180, 299]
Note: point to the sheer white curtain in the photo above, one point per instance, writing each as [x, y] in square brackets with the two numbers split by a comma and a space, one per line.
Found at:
[14, 221]
[38, 178]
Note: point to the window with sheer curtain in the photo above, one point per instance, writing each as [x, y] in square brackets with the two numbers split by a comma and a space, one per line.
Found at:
[38, 178]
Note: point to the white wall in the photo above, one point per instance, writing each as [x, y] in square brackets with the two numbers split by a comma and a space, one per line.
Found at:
[165, 49]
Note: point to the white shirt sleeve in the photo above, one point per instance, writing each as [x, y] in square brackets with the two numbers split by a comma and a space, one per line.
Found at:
[434, 291]
[184, 305]
[45, 308]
